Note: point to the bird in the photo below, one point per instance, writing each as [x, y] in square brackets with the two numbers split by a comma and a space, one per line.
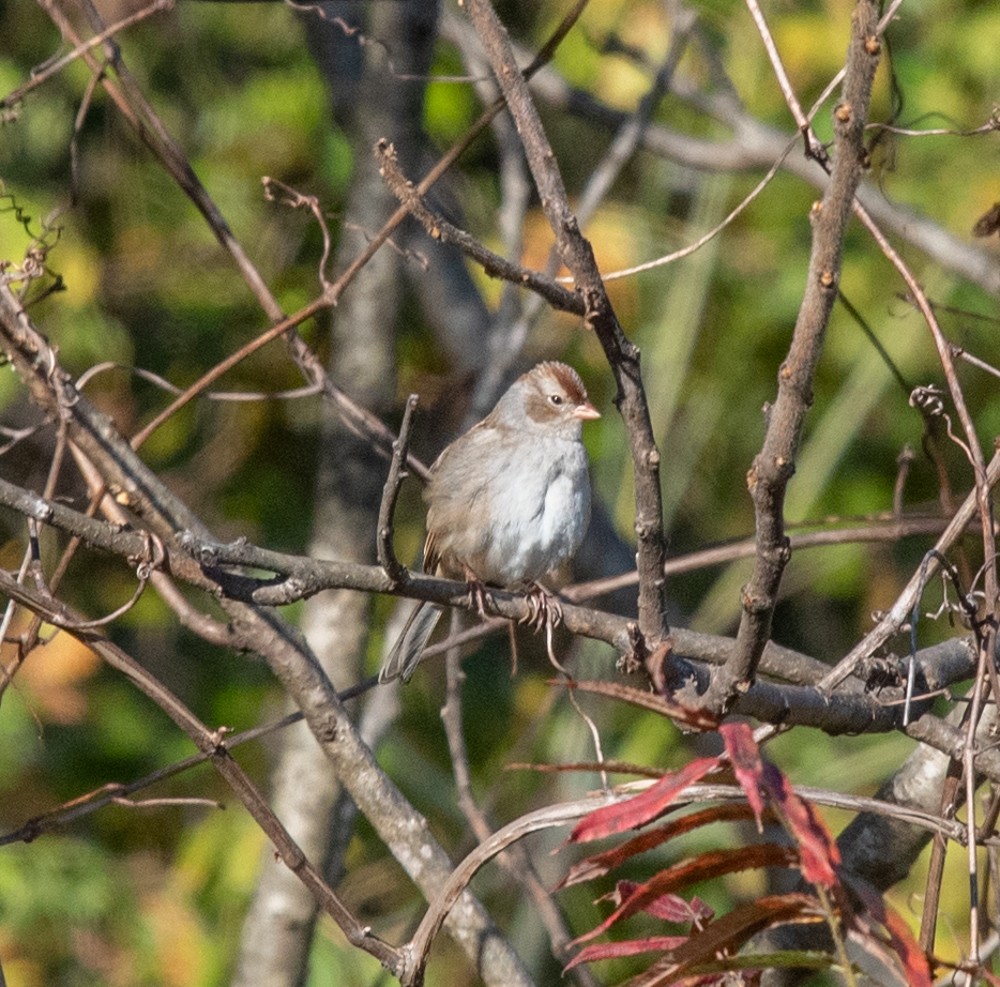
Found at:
[507, 502]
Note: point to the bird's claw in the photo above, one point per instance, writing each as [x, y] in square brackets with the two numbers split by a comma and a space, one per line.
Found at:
[478, 595]
[543, 608]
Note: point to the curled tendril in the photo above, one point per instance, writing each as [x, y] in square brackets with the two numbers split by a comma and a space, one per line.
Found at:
[928, 399]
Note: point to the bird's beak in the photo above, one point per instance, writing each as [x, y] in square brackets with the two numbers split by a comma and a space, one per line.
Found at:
[586, 411]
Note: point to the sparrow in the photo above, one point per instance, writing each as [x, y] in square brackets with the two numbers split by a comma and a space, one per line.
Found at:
[507, 502]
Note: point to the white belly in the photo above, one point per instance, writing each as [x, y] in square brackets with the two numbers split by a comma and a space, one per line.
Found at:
[540, 520]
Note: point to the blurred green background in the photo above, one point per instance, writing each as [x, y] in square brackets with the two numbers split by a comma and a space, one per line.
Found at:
[157, 895]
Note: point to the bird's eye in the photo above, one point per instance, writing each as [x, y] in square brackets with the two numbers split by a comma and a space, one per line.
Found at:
[556, 399]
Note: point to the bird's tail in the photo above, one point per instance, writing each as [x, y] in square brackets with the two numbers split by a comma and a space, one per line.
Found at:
[409, 647]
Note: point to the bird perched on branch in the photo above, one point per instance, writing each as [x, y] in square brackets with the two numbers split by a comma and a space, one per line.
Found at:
[508, 501]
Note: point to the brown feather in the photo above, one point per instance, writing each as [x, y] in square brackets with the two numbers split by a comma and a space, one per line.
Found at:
[568, 379]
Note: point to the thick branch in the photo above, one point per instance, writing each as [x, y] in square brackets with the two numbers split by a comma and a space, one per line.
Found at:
[775, 463]
[804, 701]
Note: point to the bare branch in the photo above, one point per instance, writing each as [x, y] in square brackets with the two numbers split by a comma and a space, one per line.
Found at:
[44, 73]
[440, 229]
[386, 556]
[756, 145]
[774, 465]
[623, 356]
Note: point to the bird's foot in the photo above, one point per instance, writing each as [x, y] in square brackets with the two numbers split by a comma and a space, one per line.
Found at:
[478, 593]
[544, 608]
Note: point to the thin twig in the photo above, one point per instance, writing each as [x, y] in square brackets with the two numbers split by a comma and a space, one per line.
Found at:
[595, 734]
[440, 229]
[878, 530]
[963, 354]
[41, 75]
[107, 794]
[708, 235]
[224, 366]
[394, 569]
[291, 394]
[897, 615]
[814, 148]
[276, 191]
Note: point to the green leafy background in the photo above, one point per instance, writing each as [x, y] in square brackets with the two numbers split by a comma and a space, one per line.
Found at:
[156, 895]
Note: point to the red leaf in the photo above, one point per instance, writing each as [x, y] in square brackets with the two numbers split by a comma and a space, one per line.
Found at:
[644, 807]
[669, 907]
[702, 868]
[911, 956]
[744, 756]
[674, 908]
[616, 950]
[601, 863]
[819, 853]
[730, 932]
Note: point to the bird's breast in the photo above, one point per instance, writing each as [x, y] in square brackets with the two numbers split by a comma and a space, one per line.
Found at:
[539, 516]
